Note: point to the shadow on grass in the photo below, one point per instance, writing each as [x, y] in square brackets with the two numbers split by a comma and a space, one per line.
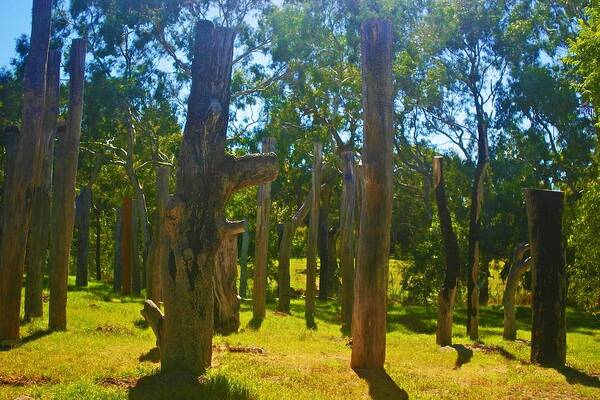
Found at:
[381, 385]
[35, 336]
[325, 310]
[463, 355]
[153, 355]
[577, 377]
[255, 323]
[188, 387]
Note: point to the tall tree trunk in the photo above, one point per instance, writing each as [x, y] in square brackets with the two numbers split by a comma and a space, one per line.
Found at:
[136, 271]
[227, 301]
[285, 252]
[313, 233]
[347, 238]
[372, 263]
[18, 187]
[206, 179]
[127, 247]
[117, 263]
[332, 262]
[261, 242]
[244, 261]
[63, 210]
[484, 292]
[98, 243]
[446, 297]
[159, 249]
[549, 283]
[517, 269]
[40, 227]
[323, 242]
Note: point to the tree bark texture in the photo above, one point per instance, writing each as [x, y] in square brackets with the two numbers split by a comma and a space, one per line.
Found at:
[40, 226]
[196, 224]
[127, 247]
[244, 261]
[117, 262]
[227, 301]
[98, 213]
[159, 249]
[519, 265]
[370, 286]
[261, 242]
[136, 271]
[549, 287]
[347, 211]
[18, 187]
[63, 205]
[323, 242]
[313, 234]
[446, 297]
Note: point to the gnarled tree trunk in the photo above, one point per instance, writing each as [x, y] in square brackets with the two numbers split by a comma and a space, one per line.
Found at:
[443, 334]
[196, 224]
[517, 269]
[63, 210]
[372, 263]
[313, 233]
[347, 238]
[549, 283]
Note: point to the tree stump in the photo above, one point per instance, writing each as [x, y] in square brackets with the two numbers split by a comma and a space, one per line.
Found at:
[517, 269]
[549, 288]
[313, 234]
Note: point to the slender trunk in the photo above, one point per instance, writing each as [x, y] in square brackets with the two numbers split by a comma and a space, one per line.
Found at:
[136, 271]
[323, 242]
[18, 187]
[313, 233]
[159, 250]
[244, 261]
[261, 248]
[332, 259]
[447, 295]
[40, 227]
[347, 212]
[372, 263]
[98, 243]
[517, 269]
[84, 203]
[127, 247]
[549, 283]
[63, 212]
[484, 292]
[117, 264]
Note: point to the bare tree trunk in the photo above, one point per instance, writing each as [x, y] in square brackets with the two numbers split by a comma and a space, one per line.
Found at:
[549, 283]
[347, 238]
[18, 187]
[127, 246]
[63, 210]
[206, 179]
[285, 252]
[117, 264]
[261, 248]
[323, 242]
[136, 271]
[332, 262]
[244, 261]
[372, 263]
[159, 249]
[517, 269]
[313, 233]
[227, 301]
[446, 297]
[98, 243]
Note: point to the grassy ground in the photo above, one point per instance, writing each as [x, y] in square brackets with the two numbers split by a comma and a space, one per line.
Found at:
[108, 353]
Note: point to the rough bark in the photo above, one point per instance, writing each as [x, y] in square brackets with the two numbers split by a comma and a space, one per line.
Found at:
[285, 252]
[227, 301]
[370, 287]
[159, 249]
[347, 212]
[549, 288]
[18, 187]
[313, 233]
[196, 224]
[446, 297]
[40, 227]
[117, 264]
[323, 243]
[63, 211]
[261, 242]
[244, 261]
[517, 269]
[127, 247]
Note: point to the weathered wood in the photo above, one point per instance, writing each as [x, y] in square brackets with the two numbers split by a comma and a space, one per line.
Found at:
[159, 249]
[196, 224]
[370, 287]
[346, 233]
[18, 187]
[261, 242]
[446, 297]
[549, 286]
[313, 233]
[63, 210]
[117, 265]
[519, 265]
[155, 319]
[227, 301]
[127, 247]
[323, 242]
[244, 261]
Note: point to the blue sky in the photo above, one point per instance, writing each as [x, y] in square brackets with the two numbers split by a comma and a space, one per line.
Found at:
[16, 20]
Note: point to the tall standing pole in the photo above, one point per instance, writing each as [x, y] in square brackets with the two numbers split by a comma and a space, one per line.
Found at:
[372, 263]
[313, 235]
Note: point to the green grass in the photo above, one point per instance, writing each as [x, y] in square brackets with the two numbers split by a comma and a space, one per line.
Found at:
[107, 353]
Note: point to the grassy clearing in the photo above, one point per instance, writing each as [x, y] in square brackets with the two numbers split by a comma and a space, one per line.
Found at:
[108, 353]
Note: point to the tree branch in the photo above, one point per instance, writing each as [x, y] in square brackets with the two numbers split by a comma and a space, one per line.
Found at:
[251, 170]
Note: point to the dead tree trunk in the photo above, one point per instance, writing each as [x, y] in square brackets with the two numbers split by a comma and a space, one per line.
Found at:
[285, 252]
[549, 286]
[159, 249]
[63, 211]
[313, 233]
[196, 223]
[227, 301]
[261, 247]
[127, 247]
[40, 227]
[244, 261]
[370, 287]
[443, 335]
[117, 264]
[517, 269]
[18, 187]
[347, 238]
[323, 242]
